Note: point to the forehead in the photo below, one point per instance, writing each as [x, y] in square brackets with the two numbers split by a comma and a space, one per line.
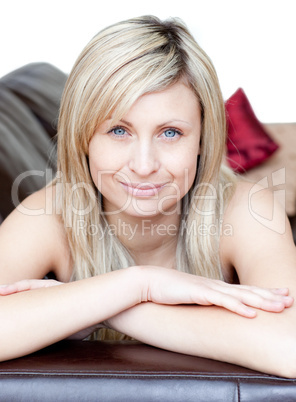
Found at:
[175, 101]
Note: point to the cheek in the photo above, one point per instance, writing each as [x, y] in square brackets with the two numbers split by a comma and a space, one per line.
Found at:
[102, 160]
[185, 167]
[100, 172]
[188, 175]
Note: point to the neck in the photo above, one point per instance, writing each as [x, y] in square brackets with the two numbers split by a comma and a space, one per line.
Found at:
[151, 241]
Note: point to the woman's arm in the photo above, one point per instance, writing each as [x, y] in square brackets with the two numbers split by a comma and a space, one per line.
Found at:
[31, 246]
[34, 319]
[262, 256]
[265, 344]
[31, 320]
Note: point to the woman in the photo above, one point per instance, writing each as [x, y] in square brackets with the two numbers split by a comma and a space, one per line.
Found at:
[141, 196]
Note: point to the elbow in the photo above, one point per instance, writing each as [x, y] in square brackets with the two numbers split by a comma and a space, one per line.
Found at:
[285, 358]
[288, 368]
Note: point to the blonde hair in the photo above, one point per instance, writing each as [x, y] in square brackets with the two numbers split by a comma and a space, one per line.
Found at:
[120, 64]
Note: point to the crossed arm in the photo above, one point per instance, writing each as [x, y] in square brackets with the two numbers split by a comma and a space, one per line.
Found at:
[34, 319]
[163, 307]
[262, 256]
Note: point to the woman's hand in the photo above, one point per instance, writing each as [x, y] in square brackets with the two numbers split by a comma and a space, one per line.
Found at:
[27, 284]
[167, 286]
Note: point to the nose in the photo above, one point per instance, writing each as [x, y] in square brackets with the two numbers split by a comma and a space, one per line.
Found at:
[143, 158]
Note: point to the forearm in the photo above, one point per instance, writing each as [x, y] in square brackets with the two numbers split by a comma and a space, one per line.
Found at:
[265, 343]
[34, 319]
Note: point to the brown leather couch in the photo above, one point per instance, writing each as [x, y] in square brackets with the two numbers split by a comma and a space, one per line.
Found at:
[106, 371]
[133, 372]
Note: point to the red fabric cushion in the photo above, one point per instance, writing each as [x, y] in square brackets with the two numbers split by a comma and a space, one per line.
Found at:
[248, 144]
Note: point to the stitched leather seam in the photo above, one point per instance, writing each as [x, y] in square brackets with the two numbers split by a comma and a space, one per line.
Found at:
[145, 376]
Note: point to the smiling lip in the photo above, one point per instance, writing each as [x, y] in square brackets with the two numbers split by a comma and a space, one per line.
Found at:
[143, 189]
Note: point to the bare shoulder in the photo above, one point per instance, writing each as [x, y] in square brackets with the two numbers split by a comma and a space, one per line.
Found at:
[34, 241]
[260, 233]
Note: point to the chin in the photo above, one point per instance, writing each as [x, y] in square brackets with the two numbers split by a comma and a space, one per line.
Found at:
[150, 210]
[143, 207]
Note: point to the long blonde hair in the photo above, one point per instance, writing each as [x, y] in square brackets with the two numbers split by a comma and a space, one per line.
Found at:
[120, 64]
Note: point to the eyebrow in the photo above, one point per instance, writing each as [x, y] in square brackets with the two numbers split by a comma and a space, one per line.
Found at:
[160, 125]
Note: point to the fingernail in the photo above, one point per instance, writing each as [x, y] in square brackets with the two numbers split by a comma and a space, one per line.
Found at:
[280, 290]
[250, 311]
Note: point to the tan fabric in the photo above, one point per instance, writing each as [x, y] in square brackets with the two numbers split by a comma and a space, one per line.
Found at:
[285, 157]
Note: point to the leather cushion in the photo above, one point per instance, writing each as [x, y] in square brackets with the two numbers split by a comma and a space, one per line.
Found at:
[131, 371]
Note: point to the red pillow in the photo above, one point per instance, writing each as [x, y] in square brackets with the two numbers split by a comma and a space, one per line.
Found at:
[248, 144]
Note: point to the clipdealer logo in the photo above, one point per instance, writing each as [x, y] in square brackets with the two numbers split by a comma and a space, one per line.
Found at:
[277, 221]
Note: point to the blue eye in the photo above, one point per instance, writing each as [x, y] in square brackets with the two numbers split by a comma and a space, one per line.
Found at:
[119, 131]
[171, 133]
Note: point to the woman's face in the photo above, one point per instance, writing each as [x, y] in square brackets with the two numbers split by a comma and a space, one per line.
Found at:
[145, 163]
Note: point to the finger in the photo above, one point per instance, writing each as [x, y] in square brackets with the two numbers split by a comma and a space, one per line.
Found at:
[27, 284]
[234, 305]
[4, 290]
[264, 299]
[240, 300]
[274, 300]
[276, 291]
[7, 290]
[280, 291]
[230, 303]
[267, 302]
[16, 287]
